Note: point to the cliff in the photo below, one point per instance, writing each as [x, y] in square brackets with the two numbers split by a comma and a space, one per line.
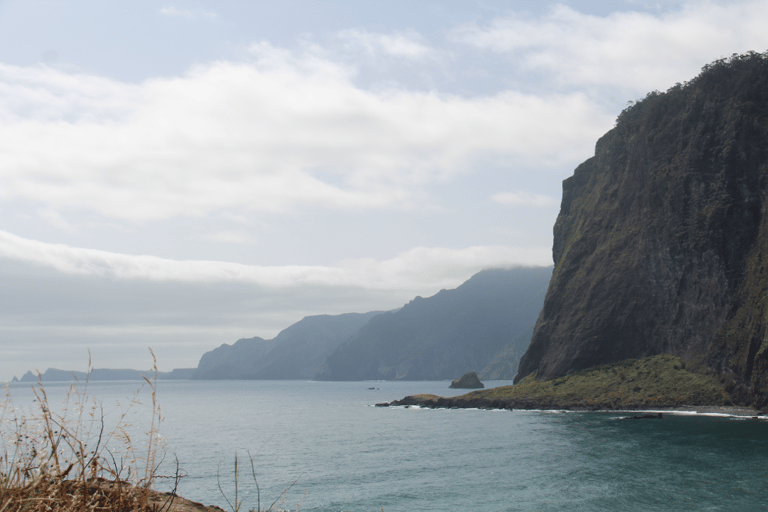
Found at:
[301, 349]
[662, 238]
[484, 325]
[237, 361]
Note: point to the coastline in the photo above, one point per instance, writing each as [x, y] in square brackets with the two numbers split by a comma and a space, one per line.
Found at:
[465, 402]
[657, 383]
[715, 410]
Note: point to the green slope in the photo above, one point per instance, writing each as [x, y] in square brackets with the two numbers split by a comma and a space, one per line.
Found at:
[652, 382]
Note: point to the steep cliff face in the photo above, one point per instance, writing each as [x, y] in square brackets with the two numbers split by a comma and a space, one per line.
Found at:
[662, 238]
[237, 361]
[301, 349]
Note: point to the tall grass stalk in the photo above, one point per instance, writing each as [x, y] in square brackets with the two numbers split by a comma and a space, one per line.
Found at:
[64, 459]
[237, 505]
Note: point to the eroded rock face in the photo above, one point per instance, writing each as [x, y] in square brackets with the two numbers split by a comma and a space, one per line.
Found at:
[467, 381]
[662, 239]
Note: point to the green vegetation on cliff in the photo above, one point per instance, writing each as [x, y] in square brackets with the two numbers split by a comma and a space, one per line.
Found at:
[648, 383]
[659, 381]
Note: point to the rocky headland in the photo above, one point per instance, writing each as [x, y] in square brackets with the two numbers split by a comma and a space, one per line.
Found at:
[662, 238]
[653, 383]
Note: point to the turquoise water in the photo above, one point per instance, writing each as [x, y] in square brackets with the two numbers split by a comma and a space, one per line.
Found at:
[346, 455]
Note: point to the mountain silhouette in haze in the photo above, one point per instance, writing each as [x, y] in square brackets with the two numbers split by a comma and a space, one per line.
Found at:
[297, 352]
[484, 325]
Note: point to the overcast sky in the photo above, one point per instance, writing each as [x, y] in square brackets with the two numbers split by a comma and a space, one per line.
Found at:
[183, 174]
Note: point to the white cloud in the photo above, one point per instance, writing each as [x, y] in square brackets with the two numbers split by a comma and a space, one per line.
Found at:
[407, 45]
[634, 51]
[275, 134]
[417, 268]
[523, 199]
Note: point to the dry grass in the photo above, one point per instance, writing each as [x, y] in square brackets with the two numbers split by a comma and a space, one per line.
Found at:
[63, 459]
[236, 503]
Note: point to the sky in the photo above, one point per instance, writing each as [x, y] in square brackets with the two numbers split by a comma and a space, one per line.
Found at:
[182, 174]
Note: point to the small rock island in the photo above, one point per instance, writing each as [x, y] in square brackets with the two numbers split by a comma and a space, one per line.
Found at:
[467, 381]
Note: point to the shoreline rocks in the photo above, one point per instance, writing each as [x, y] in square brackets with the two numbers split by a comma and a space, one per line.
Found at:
[463, 402]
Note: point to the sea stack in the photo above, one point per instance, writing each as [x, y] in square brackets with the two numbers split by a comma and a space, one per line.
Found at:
[467, 381]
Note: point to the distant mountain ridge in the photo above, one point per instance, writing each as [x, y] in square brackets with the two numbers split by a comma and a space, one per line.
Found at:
[236, 361]
[296, 353]
[55, 375]
[484, 325]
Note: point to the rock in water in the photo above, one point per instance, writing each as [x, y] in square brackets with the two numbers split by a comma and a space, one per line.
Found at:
[661, 243]
[467, 381]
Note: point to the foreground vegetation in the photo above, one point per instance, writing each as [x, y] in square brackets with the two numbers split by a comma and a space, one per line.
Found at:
[62, 458]
[649, 383]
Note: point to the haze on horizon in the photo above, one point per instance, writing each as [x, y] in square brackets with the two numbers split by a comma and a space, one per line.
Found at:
[183, 174]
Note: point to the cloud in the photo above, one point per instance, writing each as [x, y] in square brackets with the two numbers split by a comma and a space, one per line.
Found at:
[523, 199]
[630, 50]
[274, 134]
[417, 268]
[407, 45]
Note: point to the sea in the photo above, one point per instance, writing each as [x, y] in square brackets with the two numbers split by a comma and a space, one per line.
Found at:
[324, 446]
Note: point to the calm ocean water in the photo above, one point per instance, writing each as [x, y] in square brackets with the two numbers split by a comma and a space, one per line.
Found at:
[346, 455]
